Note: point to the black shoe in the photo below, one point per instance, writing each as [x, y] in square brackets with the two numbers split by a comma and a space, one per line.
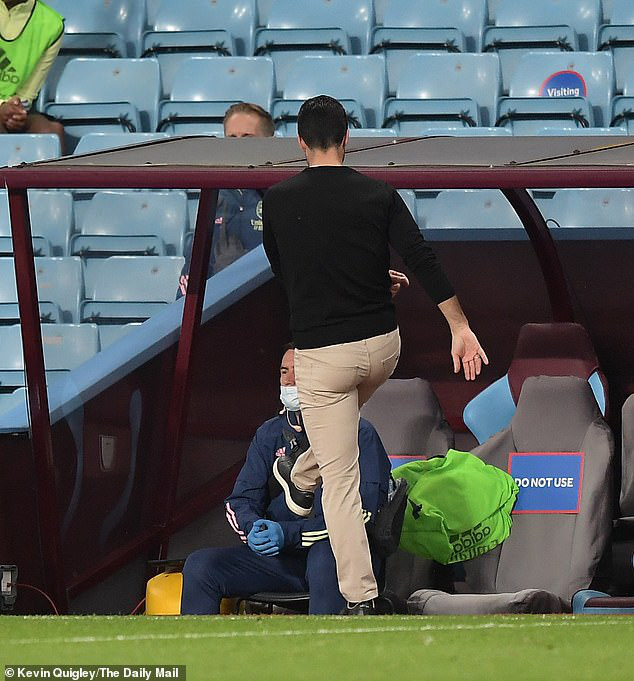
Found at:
[376, 606]
[296, 443]
[299, 501]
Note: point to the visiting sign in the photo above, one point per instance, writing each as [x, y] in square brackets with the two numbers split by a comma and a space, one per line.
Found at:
[549, 482]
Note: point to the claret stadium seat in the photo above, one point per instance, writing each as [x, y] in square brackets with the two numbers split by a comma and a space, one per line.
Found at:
[437, 88]
[560, 531]
[558, 349]
[550, 87]
[360, 78]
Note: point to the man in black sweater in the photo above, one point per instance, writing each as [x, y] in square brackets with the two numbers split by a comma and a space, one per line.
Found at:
[327, 233]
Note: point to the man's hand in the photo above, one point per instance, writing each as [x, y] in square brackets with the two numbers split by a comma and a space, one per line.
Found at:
[182, 283]
[266, 537]
[398, 279]
[466, 348]
[13, 115]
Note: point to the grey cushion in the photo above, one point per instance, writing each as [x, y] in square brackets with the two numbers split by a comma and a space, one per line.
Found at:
[431, 602]
[408, 418]
[559, 552]
[627, 458]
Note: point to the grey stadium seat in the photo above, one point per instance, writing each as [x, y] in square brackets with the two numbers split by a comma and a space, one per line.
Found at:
[408, 418]
[548, 557]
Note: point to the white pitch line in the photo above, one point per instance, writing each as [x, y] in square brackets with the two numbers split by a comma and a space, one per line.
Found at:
[318, 632]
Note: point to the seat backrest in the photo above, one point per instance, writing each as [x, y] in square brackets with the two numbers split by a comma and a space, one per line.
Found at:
[113, 80]
[453, 76]
[98, 141]
[591, 208]
[163, 214]
[622, 12]
[548, 549]
[559, 349]
[359, 78]
[228, 79]
[124, 17]
[134, 278]
[471, 209]
[356, 17]
[584, 16]
[66, 346]
[626, 498]
[567, 74]
[26, 148]
[408, 418]
[470, 16]
[236, 16]
[59, 280]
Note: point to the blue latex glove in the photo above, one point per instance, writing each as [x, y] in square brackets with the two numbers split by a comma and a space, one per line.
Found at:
[266, 537]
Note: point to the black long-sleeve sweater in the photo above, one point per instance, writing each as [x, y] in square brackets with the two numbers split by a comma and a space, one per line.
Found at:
[327, 233]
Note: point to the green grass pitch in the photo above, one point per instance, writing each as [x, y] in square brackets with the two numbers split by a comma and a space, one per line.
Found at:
[285, 648]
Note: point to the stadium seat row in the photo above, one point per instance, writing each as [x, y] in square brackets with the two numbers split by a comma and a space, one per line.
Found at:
[558, 89]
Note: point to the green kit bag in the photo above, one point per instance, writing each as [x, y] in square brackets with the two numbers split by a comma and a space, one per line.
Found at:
[458, 507]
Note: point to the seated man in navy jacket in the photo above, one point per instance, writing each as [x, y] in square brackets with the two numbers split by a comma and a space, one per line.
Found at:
[281, 552]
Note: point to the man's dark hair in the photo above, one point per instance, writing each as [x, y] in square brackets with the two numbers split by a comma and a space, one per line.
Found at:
[266, 122]
[322, 122]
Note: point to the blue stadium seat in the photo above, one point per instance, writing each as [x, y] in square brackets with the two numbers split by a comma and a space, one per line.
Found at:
[49, 313]
[397, 44]
[467, 16]
[622, 107]
[409, 196]
[559, 86]
[590, 213]
[99, 141]
[171, 48]
[13, 399]
[285, 45]
[360, 78]
[94, 29]
[437, 88]
[482, 131]
[94, 81]
[285, 111]
[372, 132]
[110, 333]
[263, 7]
[583, 132]
[584, 16]
[125, 289]
[59, 281]
[66, 346]
[236, 17]
[230, 79]
[355, 17]
[25, 148]
[193, 118]
[51, 220]
[124, 218]
[511, 43]
[83, 118]
[470, 215]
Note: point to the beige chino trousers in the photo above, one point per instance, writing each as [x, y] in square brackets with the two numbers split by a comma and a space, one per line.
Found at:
[333, 382]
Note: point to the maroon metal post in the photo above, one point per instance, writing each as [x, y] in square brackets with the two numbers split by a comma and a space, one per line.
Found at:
[546, 253]
[41, 442]
[192, 311]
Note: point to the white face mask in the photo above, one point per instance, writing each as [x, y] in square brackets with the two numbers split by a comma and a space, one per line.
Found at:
[289, 397]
